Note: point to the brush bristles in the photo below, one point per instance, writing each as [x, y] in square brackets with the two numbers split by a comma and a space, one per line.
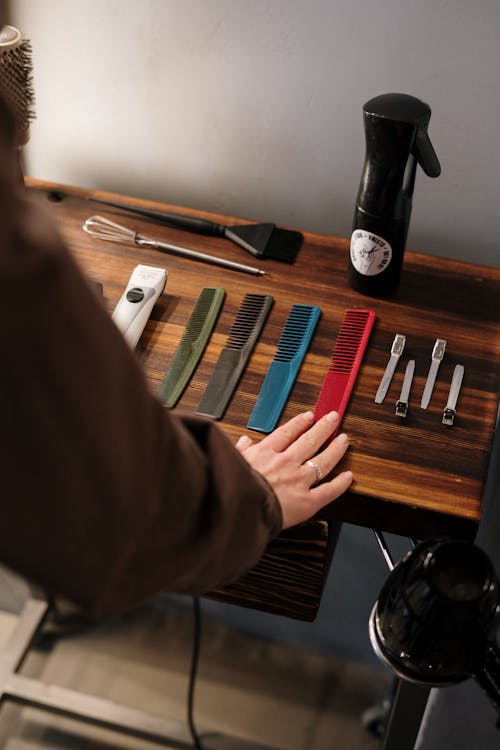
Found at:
[16, 85]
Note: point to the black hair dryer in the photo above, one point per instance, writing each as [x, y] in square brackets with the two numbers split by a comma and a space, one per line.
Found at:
[436, 621]
[396, 141]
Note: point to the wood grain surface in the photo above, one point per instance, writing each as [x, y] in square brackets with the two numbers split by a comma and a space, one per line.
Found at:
[414, 477]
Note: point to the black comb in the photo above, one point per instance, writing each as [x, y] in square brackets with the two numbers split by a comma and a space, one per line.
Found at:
[242, 337]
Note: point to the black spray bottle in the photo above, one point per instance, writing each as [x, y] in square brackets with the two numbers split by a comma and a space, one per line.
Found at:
[396, 141]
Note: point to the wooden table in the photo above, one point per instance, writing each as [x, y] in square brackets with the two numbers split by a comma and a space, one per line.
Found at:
[414, 477]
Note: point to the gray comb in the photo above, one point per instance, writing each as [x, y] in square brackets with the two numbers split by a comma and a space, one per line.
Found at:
[242, 338]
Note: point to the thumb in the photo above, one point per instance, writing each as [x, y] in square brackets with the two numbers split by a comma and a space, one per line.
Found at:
[243, 443]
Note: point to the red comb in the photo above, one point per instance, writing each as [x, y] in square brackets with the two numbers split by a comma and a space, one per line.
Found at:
[345, 362]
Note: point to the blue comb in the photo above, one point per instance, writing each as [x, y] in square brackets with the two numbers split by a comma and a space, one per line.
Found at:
[292, 347]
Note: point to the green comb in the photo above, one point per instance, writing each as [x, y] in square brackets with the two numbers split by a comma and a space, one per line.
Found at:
[188, 353]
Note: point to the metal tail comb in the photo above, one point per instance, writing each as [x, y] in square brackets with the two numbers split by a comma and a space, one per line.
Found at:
[190, 348]
[292, 347]
[242, 338]
[345, 362]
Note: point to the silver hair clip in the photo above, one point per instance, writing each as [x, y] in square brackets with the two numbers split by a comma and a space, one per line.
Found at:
[437, 356]
[396, 351]
[402, 404]
[450, 408]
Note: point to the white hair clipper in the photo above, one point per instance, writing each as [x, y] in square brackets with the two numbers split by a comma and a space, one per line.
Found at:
[137, 301]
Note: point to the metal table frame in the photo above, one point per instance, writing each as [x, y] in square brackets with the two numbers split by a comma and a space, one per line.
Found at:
[83, 707]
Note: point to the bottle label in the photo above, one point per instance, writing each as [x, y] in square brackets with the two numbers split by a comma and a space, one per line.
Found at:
[370, 254]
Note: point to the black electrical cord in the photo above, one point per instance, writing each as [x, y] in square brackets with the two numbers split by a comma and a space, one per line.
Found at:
[192, 673]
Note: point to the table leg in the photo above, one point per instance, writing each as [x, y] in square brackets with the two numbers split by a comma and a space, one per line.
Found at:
[406, 714]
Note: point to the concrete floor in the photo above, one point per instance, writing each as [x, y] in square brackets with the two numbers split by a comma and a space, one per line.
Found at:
[266, 693]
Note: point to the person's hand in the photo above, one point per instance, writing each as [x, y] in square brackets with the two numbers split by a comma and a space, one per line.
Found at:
[289, 459]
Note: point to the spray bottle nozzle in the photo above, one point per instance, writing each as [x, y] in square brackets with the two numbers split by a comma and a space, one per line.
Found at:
[412, 116]
[424, 153]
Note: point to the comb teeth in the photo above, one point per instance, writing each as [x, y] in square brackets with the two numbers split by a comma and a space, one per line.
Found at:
[347, 344]
[296, 328]
[247, 320]
[198, 317]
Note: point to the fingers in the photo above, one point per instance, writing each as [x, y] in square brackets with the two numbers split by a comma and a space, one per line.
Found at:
[306, 505]
[282, 437]
[302, 438]
[310, 441]
[327, 492]
[324, 462]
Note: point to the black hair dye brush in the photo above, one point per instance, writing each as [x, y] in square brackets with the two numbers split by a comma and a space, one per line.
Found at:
[261, 240]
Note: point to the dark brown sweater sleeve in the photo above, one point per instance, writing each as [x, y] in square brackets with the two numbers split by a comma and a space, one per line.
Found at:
[107, 497]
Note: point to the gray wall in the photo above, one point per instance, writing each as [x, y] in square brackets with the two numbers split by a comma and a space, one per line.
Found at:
[254, 109]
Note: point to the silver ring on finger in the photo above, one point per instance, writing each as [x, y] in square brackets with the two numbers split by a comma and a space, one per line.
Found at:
[317, 470]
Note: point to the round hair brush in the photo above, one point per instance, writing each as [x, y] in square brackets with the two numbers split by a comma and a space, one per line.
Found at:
[16, 80]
